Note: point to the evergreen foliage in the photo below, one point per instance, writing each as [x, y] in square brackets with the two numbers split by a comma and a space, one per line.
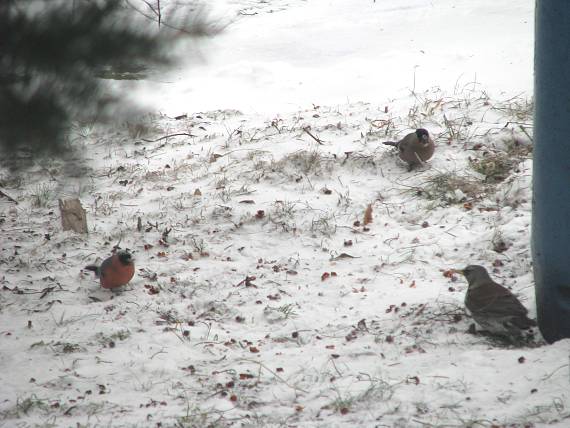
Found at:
[51, 54]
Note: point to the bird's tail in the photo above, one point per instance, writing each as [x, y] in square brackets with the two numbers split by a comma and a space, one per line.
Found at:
[93, 268]
[390, 143]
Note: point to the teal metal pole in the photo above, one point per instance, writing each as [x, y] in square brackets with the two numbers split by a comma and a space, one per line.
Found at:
[551, 168]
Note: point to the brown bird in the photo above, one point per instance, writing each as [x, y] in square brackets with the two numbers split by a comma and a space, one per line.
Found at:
[492, 306]
[415, 148]
[115, 271]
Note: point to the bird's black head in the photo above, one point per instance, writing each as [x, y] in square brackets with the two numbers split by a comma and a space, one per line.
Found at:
[422, 135]
[125, 257]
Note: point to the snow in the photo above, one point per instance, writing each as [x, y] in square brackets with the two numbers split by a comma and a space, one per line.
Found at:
[332, 52]
[266, 303]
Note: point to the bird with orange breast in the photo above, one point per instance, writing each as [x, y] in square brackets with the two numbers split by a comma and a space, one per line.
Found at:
[115, 271]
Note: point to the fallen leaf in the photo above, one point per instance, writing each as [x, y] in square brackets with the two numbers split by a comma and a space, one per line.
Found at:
[214, 157]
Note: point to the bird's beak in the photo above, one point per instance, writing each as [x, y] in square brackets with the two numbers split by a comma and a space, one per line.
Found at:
[459, 271]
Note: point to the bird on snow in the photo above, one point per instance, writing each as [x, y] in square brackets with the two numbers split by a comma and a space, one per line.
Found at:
[492, 306]
[415, 148]
[115, 271]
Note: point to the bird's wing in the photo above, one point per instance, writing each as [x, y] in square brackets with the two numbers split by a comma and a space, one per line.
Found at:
[409, 141]
[105, 266]
[497, 302]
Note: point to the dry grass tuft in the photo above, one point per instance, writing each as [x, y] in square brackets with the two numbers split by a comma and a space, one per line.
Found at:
[450, 188]
[496, 166]
[307, 162]
[517, 108]
[42, 195]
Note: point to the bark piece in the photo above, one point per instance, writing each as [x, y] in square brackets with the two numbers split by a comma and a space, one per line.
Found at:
[73, 215]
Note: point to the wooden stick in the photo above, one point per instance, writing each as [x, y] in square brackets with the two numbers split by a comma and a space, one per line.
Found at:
[317, 139]
[168, 136]
[2, 193]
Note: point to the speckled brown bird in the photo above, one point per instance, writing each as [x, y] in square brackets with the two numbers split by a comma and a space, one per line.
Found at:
[415, 148]
[115, 271]
[492, 306]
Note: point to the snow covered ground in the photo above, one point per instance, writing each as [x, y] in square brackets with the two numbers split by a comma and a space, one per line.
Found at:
[261, 296]
[284, 55]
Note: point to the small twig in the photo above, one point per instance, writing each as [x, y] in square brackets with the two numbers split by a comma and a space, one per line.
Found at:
[11, 199]
[159, 13]
[165, 233]
[151, 226]
[420, 160]
[68, 411]
[208, 342]
[526, 133]
[156, 11]
[335, 367]
[241, 150]
[551, 374]
[343, 256]
[317, 139]
[419, 312]
[117, 246]
[198, 29]
[261, 365]
[510, 122]
[310, 184]
[46, 291]
[168, 136]
[162, 351]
